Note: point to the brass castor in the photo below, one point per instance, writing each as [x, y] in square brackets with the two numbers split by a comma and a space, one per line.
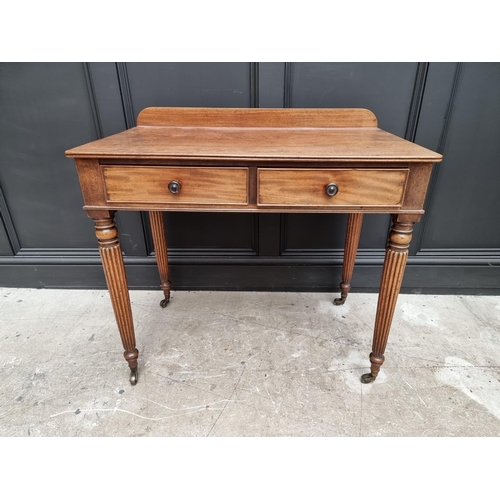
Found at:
[134, 377]
[164, 302]
[339, 302]
[368, 377]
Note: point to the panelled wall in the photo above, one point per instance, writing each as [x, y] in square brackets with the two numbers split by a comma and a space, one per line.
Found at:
[46, 240]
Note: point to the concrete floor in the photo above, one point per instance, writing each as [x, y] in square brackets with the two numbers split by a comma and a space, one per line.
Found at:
[247, 364]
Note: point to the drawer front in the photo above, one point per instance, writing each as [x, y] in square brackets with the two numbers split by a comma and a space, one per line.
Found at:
[198, 185]
[356, 187]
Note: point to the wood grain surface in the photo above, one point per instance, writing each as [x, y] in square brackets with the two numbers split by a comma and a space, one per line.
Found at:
[347, 144]
[256, 135]
[198, 185]
[357, 187]
[256, 117]
[353, 232]
[396, 256]
[116, 279]
[160, 245]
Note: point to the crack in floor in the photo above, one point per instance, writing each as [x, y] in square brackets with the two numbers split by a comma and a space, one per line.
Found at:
[227, 402]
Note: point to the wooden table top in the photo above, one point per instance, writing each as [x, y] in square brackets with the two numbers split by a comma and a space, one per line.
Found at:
[272, 135]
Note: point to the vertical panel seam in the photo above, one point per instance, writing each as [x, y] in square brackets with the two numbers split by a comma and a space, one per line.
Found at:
[416, 101]
[442, 142]
[125, 94]
[287, 103]
[287, 90]
[9, 224]
[254, 85]
[93, 100]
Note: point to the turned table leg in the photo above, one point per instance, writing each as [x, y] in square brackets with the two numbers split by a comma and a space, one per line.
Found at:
[396, 256]
[160, 246]
[114, 270]
[354, 223]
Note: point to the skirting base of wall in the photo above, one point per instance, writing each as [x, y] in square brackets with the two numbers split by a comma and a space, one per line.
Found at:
[303, 277]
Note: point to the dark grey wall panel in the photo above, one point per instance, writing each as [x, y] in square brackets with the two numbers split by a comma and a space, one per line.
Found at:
[45, 110]
[312, 231]
[432, 127]
[189, 84]
[327, 232]
[435, 104]
[271, 85]
[384, 88]
[465, 204]
[107, 96]
[211, 231]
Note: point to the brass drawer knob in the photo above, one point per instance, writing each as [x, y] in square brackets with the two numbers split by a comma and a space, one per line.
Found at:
[174, 187]
[332, 189]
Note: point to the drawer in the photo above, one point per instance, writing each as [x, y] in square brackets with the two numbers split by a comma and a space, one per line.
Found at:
[197, 185]
[355, 187]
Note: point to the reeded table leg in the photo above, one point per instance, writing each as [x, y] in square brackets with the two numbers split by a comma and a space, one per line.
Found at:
[354, 223]
[114, 270]
[396, 256]
[160, 245]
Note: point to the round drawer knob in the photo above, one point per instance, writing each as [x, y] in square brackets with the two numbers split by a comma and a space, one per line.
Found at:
[174, 187]
[332, 189]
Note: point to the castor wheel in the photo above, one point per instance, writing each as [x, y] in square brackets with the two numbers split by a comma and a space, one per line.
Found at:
[339, 302]
[164, 302]
[368, 377]
[134, 377]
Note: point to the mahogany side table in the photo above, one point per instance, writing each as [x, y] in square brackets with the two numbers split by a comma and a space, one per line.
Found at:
[255, 160]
